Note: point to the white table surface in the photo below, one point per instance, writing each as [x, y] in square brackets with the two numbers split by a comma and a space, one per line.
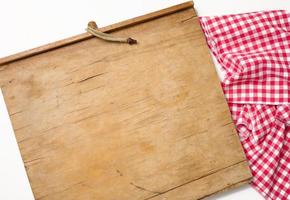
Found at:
[31, 23]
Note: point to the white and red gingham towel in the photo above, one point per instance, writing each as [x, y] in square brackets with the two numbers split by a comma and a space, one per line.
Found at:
[254, 52]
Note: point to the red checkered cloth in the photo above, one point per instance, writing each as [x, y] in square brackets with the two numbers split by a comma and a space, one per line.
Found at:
[254, 52]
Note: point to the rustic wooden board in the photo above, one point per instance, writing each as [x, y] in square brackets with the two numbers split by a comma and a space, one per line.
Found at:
[100, 120]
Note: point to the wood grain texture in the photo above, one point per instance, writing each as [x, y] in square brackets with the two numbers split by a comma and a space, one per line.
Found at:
[100, 120]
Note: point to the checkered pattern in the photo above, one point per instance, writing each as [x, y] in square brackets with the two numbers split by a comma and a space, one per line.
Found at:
[254, 52]
[265, 137]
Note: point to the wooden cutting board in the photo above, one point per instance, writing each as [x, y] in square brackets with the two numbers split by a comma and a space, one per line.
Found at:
[101, 120]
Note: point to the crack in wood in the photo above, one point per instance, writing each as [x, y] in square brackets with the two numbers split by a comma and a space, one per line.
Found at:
[225, 189]
[227, 123]
[91, 77]
[144, 189]
[22, 127]
[33, 160]
[43, 132]
[89, 117]
[77, 110]
[78, 68]
[196, 179]
[198, 133]
[15, 113]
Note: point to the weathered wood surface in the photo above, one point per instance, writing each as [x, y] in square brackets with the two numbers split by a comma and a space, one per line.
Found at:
[100, 120]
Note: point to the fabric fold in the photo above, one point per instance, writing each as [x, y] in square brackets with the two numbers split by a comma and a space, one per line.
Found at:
[254, 52]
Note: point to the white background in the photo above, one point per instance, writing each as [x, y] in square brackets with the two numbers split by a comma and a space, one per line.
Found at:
[31, 23]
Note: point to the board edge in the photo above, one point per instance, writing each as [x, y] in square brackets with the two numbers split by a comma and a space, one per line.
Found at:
[85, 36]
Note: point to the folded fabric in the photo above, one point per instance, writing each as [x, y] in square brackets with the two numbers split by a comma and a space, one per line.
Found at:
[254, 52]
